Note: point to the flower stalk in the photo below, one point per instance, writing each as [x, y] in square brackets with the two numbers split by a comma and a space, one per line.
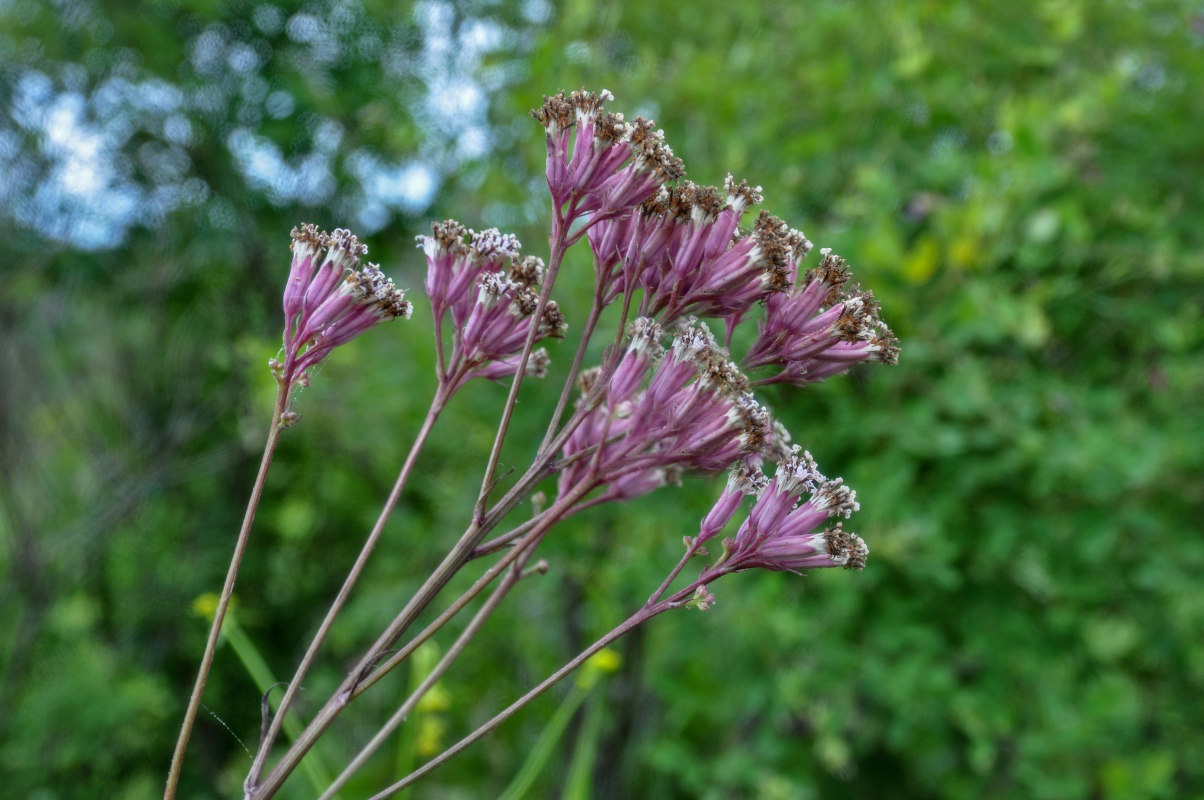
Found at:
[666, 397]
[265, 746]
[223, 603]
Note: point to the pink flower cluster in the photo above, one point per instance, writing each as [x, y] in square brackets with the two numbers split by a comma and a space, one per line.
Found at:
[666, 398]
[675, 251]
[685, 250]
[491, 293]
[782, 531]
[821, 328]
[673, 400]
[660, 413]
[330, 299]
[613, 165]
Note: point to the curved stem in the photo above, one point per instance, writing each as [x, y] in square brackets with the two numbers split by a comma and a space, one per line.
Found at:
[219, 616]
[437, 405]
[587, 333]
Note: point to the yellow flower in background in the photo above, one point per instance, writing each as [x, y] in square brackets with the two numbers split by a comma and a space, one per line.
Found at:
[205, 605]
[603, 662]
[436, 700]
[430, 735]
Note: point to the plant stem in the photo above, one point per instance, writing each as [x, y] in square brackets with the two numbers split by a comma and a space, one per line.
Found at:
[514, 561]
[690, 552]
[430, 630]
[342, 695]
[261, 674]
[639, 617]
[556, 257]
[434, 628]
[450, 564]
[460, 553]
[440, 359]
[501, 541]
[240, 546]
[437, 405]
[541, 752]
[478, 620]
[587, 332]
[677, 600]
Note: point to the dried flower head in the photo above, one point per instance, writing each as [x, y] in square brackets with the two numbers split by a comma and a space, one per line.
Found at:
[614, 165]
[329, 298]
[821, 329]
[491, 292]
[693, 412]
[783, 531]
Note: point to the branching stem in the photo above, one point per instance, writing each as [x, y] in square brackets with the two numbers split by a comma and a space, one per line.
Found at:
[513, 562]
[437, 405]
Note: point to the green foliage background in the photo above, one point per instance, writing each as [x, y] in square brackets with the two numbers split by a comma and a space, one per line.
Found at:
[1020, 184]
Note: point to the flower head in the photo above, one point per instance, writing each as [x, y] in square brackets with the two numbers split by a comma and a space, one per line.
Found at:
[614, 165]
[330, 298]
[821, 329]
[656, 415]
[650, 166]
[685, 249]
[456, 258]
[491, 293]
[741, 481]
[783, 531]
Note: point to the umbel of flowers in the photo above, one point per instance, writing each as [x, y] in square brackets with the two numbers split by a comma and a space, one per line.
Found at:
[329, 299]
[677, 251]
[679, 270]
[491, 293]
